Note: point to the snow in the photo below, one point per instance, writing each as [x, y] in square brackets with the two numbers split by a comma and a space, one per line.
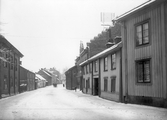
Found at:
[60, 104]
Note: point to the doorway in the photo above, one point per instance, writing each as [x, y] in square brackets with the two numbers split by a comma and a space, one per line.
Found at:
[96, 86]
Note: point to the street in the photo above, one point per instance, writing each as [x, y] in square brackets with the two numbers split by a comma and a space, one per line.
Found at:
[57, 103]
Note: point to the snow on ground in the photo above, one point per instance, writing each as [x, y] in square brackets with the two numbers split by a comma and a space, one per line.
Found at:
[57, 103]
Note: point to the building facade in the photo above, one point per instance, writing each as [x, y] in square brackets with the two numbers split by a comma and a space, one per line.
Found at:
[9, 67]
[71, 78]
[102, 74]
[46, 75]
[144, 36]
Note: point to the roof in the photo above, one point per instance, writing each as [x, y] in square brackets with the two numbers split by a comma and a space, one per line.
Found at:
[8, 44]
[46, 73]
[37, 76]
[103, 53]
[125, 15]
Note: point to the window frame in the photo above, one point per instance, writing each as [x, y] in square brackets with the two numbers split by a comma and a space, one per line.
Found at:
[149, 36]
[112, 65]
[105, 85]
[105, 63]
[96, 65]
[113, 78]
[143, 70]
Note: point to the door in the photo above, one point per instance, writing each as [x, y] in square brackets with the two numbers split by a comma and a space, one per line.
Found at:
[96, 87]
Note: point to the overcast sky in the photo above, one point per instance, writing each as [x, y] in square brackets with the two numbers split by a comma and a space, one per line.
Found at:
[48, 32]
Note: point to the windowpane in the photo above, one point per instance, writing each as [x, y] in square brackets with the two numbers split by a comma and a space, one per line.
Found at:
[147, 71]
[113, 61]
[145, 40]
[105, 84]
[113, 84]
[142, 34]
[139, 28]
[140, 72]
[105, 63]
[145, 26]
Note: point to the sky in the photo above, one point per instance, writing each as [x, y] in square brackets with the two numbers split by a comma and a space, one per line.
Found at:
[48, 32]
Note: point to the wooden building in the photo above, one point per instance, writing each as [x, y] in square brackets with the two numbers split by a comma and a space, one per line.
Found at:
[71, 78]
[9, 67]
[46, 75]
[27, 80]
[102, 73]
[144, 36]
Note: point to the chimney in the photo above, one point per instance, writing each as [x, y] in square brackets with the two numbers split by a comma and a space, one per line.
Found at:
[109, 44]
[117, 39]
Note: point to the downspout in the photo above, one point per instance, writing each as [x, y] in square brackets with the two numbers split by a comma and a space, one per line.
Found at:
[120, 88]
[14, 74]
[92, 78]
[9, 74]
[126, 61]
[99, 79]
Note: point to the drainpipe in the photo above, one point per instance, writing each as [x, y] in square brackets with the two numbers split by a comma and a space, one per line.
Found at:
[9, 74]
[14, 74]
[99, 86]
[120, 88]
[92, 77]
[126, 61]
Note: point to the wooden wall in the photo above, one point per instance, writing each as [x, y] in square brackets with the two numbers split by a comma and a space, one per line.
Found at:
[155, 50]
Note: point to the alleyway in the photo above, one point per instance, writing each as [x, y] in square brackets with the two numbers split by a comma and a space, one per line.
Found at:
[61, 104]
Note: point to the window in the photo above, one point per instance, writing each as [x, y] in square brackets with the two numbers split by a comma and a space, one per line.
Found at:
[5, 82]
[96, 66]
[5, 62]
[11, 81]
[90, 67]
[142, 34]
[143, 71]
[113, 61]
[83, 83]
[11, 62]
[16, 83]
[15, 64]
[87, 68]
[105, 84]
[88, 83]
[113, 83]
[105, 64]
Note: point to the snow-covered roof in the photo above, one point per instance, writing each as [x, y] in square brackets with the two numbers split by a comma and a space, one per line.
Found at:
[135, 9]
[37, 76]
[46, 73]
[106, 51]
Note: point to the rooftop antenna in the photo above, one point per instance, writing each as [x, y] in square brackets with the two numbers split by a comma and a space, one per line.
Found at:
[107, 19]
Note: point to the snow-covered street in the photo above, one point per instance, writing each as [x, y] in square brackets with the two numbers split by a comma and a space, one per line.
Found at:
[57, 103]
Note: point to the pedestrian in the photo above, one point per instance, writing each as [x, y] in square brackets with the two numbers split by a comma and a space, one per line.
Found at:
[75, 88]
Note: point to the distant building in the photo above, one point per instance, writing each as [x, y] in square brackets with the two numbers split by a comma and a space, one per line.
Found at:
[27, 80]
[71, 78]
[40, 81]
[45, 75]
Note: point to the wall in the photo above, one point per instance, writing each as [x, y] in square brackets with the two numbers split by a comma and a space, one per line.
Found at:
[110, 73]
[154, 51]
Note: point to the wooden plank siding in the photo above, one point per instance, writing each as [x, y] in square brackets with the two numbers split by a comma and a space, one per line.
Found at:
[155, 50]
[115, 96]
